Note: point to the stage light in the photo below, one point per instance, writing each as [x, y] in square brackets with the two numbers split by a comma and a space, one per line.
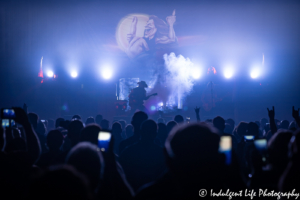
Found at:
[106, 73]
[74, 74]
[228, 73]
[50, 74]
[254, 73]
[196, 73]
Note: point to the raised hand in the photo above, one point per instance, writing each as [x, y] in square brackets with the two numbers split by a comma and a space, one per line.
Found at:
[132, 32]
[171, 19]
[33, 143]
[295, 113]
[21, 116]
[134, 20]
[197, 110]
[271, 113]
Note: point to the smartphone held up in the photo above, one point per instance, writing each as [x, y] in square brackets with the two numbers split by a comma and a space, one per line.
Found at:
[8, 115]
[104, 138]
[226, 148]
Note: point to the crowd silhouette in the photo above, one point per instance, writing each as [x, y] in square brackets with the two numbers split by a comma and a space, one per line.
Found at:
[147, 158]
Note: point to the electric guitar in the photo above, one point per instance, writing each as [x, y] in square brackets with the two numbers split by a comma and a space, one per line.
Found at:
[147, 97]
[136, 102]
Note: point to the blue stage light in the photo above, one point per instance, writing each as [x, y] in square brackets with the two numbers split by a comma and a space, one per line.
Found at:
[74, 74]
[50, 74]
[255, 73]
[106, 73]
[196, 73]
[228, 73]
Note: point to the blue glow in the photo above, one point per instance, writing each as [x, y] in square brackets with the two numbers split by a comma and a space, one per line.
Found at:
[106, 73]
[153, 108]
[196, 73]
[228, 73]
[255, 73]
[50, 74]
[74, 74]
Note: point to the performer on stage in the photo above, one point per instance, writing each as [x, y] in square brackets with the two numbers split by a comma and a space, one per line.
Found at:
[137, 97]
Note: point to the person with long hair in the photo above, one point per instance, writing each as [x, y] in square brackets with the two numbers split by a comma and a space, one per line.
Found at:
[156, 32]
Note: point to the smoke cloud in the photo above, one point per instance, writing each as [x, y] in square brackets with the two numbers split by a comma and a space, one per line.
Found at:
[179, 77]
[173, 81]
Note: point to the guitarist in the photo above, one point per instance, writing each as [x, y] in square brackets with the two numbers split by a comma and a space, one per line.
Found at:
[137, 97]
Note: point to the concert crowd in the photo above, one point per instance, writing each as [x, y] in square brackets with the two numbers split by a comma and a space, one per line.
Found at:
[147, 158]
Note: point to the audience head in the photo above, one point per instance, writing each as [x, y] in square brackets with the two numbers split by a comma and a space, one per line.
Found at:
[65, 124]
[170, 126]
[263, 122]
[74, 130]
[137, 119]
[284, 124]
[228, 128]
[90, 133]
[57, 122]
[241, 129]
[54, 140]
[293, 126]
[123, 124]
[253, 129]
[148, 130]
[33, 119]
[116, 129]
[232, 124]
[258, 123]
[104, 124]
[98, 119]
[160, 120]
[191, 148]
[88, 160]
[179, 119]
[219, 123]
[162, 132]
[50, 124]
[76, 117]
[129, 130]
[89, 120]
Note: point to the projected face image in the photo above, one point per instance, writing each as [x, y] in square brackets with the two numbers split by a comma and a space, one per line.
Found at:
[150, 29]
[150, 24]
[143, 33]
